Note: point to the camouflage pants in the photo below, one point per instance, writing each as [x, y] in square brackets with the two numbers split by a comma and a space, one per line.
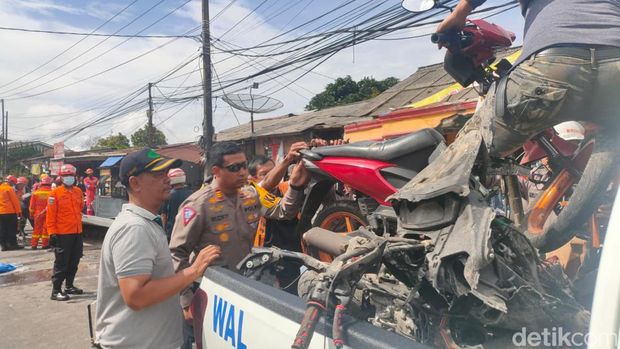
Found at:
[546, 90]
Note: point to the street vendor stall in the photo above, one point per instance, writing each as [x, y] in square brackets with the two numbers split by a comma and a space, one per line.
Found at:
[111, 194]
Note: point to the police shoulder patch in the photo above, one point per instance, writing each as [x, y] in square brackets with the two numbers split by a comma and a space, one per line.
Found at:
[188, 214]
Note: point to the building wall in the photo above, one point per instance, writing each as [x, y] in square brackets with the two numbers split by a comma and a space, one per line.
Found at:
[405, 121]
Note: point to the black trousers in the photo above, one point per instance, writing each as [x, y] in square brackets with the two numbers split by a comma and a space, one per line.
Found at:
[8, 229]
[68, 251]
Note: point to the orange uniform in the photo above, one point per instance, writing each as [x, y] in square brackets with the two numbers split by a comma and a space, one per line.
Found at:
[9, 203]
[64, 210]
[38, 212]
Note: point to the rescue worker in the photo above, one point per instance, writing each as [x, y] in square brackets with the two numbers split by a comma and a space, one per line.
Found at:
[90, 185]
[20, 186]
[38, 211]
[10, 211]
[64, 225]
[37, 184]
[178, 194]
[226, 212]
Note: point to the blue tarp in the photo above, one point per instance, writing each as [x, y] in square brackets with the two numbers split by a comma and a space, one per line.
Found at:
[111, 161]
[4, 268]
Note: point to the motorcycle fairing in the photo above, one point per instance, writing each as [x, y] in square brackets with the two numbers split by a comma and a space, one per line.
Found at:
[448, 173]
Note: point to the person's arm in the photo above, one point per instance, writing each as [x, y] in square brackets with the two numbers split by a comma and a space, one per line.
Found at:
[33, 200]
[274, 177]
[456, 19]
[189, 225]
[287, 207]
[142, 291]
[16, 203]
[52, 210]
[82, 201]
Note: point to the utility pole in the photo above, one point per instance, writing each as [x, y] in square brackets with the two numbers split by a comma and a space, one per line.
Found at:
[207, 123]
[6, 141]
[149, 114]
[2, 142]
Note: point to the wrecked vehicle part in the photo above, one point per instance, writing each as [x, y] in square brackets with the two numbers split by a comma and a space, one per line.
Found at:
[449, 172]
[514, 288]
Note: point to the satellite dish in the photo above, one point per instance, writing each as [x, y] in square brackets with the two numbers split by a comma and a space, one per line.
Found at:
[418, 5]
[252, 104]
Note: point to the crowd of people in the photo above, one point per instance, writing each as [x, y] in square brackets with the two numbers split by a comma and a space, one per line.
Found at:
[54, 208]
[160, 244]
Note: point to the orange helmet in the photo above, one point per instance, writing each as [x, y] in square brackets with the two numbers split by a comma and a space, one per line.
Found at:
[67, 170]
[47, 180]
[177, 176]
[11, 179]
[22, 180]
[89, 171]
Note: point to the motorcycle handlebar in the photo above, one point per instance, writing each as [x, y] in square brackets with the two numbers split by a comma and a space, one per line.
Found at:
[308, 325]
[440, 38]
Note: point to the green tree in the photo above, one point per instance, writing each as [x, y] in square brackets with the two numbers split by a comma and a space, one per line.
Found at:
[346, 90]
[119, 141]
[140, 137]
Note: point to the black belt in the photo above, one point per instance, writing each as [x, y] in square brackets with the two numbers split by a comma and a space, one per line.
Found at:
[600, 53]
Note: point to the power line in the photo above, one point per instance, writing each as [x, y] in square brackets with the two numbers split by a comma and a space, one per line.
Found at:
[99, 73]
[104, 102]
[70, 47]
[99, 34]
[242, 19]
[86, 51]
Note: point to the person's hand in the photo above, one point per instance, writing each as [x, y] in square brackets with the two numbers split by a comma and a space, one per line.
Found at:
[188, 315]
[338, 142]
[318, 142]
[53, 240]
[293, 152]
[455, 21]
[300, 177]
[206, 256]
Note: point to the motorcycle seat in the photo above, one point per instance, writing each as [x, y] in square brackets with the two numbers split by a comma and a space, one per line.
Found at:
[384, 150]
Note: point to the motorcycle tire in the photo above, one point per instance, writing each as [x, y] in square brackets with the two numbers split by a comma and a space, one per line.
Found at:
[586, 197]
[327, 217]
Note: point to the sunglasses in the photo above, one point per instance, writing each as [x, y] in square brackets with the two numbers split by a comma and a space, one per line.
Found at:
[236, 167]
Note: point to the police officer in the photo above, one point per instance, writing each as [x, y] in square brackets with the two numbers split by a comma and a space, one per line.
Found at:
[226, 212]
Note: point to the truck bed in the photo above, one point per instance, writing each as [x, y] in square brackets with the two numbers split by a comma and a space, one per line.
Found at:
[236, 312]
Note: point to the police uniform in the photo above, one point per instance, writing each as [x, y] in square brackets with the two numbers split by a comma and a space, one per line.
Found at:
[209, 217]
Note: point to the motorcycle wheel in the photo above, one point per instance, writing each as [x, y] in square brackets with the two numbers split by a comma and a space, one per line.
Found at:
[340, 217]
[585, 199]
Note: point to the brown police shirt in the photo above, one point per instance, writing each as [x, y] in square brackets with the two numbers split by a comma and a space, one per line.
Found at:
[209, 217]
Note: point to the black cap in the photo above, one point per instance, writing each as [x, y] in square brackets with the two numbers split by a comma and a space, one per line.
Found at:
[145, 160]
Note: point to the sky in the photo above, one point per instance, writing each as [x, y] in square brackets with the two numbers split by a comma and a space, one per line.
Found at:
[53, 82]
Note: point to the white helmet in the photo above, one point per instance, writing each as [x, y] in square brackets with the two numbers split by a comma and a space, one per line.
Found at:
[177, 176]
[570, 131]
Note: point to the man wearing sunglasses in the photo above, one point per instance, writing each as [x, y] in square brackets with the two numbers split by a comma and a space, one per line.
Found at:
[226, 212]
